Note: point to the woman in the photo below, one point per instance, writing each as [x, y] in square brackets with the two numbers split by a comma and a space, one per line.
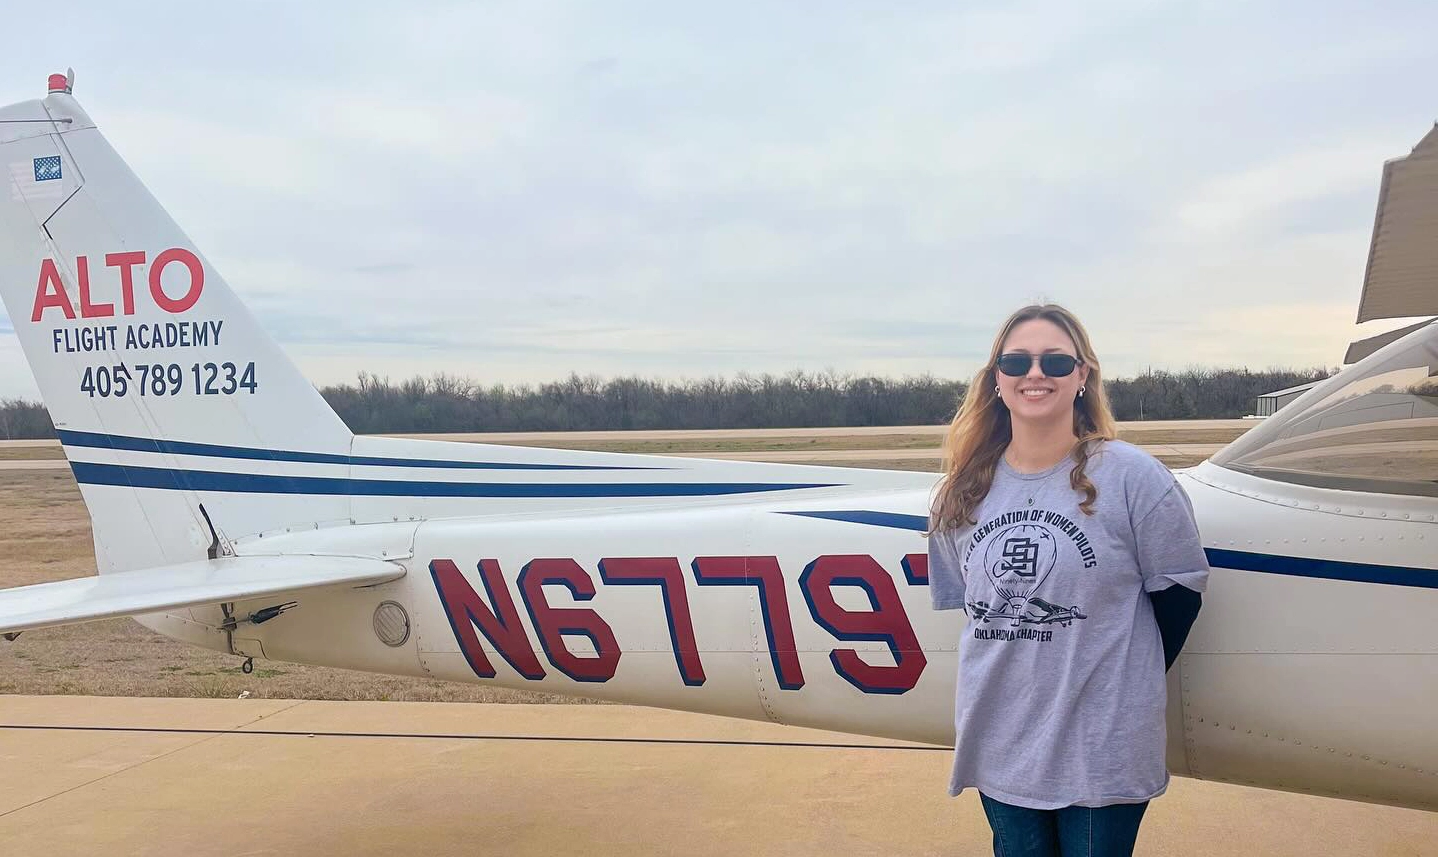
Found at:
[1078, 561]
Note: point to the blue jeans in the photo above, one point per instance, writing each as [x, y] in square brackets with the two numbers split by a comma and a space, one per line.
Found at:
[1074, 831]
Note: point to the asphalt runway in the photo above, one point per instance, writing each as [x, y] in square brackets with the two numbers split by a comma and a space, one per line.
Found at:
[87, 775]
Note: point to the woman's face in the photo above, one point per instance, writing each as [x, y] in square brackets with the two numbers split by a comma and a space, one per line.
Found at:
[1035, 396]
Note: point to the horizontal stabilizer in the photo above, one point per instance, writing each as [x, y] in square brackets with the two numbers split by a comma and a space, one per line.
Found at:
[190, 584]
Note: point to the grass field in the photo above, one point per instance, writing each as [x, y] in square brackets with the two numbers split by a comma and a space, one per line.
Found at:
[47, 537]
[31, 453]
[898, 438]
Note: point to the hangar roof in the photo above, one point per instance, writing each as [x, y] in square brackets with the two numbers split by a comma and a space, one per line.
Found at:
[1287, 390]
[1364, 347]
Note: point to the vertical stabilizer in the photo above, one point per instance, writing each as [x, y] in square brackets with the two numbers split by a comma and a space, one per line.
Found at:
[156, 376]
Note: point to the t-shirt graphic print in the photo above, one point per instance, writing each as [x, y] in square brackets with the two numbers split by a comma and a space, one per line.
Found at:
[1017, 552]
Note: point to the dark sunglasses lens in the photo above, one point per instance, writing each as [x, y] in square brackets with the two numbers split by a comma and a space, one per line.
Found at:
[1015, 365]
[1053, 365]
[1057, 365]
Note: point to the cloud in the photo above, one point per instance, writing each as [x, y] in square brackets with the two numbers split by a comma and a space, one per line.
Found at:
[1251, 202]
[522, 190]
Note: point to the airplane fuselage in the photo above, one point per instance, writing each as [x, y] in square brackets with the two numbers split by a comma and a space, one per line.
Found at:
[1306, 675]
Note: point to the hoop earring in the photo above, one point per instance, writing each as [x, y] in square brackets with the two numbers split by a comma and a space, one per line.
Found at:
[996, 388]
[1081, 389]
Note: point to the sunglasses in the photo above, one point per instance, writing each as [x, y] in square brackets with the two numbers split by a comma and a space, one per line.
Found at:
[1053, 365]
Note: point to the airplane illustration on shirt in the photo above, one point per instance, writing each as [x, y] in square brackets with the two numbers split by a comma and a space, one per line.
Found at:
[1036, 611]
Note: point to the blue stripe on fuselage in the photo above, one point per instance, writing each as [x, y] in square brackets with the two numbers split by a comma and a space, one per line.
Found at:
[180, 447]
[878, 519]
[89, 473]
[1322, 569]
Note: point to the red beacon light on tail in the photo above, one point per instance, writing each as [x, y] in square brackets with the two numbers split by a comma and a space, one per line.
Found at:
[61, 82]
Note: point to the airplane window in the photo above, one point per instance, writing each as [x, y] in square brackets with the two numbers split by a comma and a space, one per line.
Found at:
[1372, 427]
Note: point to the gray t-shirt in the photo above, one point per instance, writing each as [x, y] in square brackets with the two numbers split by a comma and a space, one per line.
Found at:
[1061, 691]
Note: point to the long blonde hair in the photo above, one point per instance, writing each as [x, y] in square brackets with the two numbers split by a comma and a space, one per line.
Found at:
[982, 429]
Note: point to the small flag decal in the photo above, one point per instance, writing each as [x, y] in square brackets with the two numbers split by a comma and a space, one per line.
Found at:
[47, 169]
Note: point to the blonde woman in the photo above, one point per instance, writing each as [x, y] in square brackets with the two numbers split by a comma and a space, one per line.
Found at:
[1078, 561]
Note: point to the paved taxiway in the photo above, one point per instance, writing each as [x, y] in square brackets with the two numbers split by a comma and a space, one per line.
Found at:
[88, 775]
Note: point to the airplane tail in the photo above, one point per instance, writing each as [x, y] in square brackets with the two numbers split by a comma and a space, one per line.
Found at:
[152, 369]
[188, 430]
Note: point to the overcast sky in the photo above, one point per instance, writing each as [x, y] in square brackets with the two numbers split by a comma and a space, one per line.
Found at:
[515, 191]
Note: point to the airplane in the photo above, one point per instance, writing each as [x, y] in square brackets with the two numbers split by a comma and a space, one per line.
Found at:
[1045, 613]
[233, 510]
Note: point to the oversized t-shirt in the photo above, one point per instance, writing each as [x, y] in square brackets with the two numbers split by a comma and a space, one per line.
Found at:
[1061, 691]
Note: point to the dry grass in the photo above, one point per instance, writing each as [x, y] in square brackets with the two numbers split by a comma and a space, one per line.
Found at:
[47, 537]
[1152, 433]
[1141, 433]
[760, 444]
[1147, 433]
[1176, 461]
[47, 529]
[928, 465]
[118, 657]
[933, 465]
[31, 453]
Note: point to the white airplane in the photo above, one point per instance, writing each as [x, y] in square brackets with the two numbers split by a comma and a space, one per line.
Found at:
[232, 509]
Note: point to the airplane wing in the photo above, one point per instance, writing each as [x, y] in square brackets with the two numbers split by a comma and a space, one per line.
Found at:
[190, 584]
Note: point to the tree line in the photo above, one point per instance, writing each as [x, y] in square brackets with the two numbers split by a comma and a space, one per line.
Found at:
[446, 403]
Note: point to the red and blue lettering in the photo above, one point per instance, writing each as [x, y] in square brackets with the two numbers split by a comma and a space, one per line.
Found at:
[498, 619]
[885, 622]
[552, 624]
[500, 625]
[916, 568]
[763, 573]
[665, 573]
